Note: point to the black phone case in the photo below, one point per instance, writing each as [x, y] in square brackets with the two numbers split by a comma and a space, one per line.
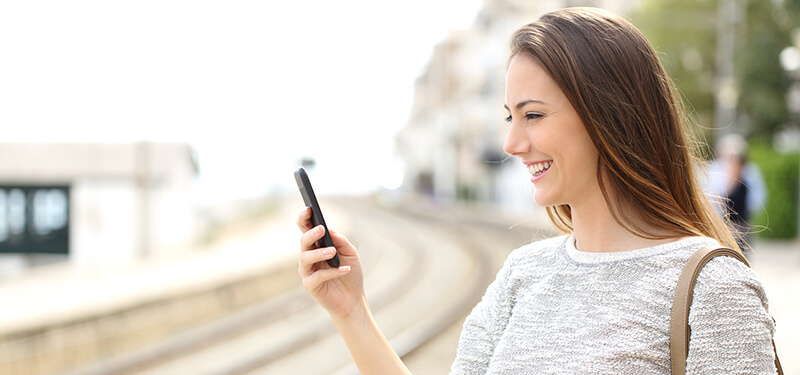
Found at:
[310, 199]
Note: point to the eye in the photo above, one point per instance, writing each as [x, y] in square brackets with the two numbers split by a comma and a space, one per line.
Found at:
[528, 116]
[533, 115]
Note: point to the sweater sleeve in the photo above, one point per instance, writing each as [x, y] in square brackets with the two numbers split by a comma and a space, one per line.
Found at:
[731, 329]
[484, 325]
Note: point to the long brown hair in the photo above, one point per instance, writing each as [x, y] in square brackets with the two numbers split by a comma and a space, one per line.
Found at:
[648, 164]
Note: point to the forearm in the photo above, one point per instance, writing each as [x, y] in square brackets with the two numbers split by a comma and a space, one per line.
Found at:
[368, 346]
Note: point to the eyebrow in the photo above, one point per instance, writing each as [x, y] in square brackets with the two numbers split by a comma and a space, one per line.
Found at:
[524, 103]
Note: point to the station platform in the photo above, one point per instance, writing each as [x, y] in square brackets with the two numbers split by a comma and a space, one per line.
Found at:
[60, 317]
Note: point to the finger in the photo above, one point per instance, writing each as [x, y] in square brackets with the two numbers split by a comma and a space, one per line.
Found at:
[315, 280]
[308, 241]
[341, 243]
[309, 258]
[304, 220]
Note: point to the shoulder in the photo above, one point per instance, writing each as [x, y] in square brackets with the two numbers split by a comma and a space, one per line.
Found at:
[721, 272]
[523, 265]
[537, 251]
[727, 280]
[534, 258]
[729, 295]
[753, 168]
[731, 329]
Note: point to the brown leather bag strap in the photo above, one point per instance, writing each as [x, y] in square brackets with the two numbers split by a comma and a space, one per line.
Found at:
[679, 331]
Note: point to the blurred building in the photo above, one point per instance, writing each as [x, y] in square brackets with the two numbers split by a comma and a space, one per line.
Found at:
[93, 204]
[453, 142]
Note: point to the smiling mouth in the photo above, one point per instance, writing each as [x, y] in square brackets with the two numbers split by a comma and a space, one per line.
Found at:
[537, 169]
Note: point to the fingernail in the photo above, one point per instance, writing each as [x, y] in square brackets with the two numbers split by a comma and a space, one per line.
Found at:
[327, 251]
[320, 229]
[344, 269]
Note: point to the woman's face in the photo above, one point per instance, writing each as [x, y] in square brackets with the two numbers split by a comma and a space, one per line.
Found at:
[549, 137]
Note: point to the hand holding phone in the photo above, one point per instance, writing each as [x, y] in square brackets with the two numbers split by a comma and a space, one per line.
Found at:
[310, 199]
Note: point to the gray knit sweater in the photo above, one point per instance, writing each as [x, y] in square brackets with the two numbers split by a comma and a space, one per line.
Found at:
[555, 310]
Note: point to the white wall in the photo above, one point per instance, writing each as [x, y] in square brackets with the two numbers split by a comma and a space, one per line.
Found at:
[104, 223]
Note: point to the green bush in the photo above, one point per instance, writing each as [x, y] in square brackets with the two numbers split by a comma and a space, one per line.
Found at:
[781, 175]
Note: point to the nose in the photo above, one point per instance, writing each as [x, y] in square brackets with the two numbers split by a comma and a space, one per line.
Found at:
[516, 143]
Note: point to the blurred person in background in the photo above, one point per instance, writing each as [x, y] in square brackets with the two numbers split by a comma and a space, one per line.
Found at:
[737, 186]
[596, 120]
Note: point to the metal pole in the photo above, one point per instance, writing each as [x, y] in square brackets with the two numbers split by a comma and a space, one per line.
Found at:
[143, 183]
[726, 90]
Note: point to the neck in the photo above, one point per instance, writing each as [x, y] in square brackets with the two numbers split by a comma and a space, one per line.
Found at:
[596, 230]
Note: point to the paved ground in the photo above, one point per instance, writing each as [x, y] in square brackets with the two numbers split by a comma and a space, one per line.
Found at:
[778, 266]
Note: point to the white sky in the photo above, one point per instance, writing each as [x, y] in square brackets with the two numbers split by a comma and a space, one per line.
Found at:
[253, 85]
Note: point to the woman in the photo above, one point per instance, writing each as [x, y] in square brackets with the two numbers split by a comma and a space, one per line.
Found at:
[739, 184]
[595, 119]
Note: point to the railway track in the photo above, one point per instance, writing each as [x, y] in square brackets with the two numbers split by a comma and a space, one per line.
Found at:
[424, 271]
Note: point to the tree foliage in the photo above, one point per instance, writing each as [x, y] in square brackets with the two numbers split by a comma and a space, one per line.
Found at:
[762, 80]
[685, 32]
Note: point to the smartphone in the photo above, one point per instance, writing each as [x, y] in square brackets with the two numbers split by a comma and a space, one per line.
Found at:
[304, 184]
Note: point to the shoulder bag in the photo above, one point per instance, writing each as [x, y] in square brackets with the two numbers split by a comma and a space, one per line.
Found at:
[679, 330]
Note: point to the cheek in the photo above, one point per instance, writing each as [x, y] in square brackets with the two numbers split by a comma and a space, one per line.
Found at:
[579, 159]
[581, 145]
[585, 160]
[540, 138]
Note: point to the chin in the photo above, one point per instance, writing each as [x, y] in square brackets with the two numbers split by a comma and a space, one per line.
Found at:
[543, 200]
[548, 198]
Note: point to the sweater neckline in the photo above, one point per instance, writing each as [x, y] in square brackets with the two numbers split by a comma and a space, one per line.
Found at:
[593, 257]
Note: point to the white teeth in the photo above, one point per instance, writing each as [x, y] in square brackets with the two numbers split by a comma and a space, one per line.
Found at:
[538, 168]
